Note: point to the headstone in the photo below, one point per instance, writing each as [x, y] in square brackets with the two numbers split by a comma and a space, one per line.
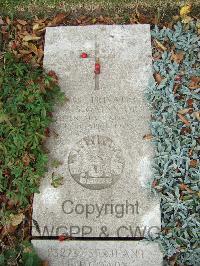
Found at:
[99, 253]
[98, 135]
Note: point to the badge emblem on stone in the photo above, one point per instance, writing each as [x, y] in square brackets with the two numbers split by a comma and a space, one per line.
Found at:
[95, 162]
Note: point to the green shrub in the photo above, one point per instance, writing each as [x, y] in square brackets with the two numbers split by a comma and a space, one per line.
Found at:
[27, 98]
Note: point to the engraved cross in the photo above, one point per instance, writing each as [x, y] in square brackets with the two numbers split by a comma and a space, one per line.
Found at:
[97, 62]
[98, 58]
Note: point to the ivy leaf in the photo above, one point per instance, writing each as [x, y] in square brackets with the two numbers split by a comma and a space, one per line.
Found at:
[57, 180]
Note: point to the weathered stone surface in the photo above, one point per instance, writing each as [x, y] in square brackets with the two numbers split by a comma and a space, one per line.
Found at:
[98, 135]
[99, 253]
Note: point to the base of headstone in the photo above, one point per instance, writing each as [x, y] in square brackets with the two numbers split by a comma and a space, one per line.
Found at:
[98, 253]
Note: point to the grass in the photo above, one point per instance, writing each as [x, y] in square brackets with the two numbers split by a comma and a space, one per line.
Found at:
[24, 8]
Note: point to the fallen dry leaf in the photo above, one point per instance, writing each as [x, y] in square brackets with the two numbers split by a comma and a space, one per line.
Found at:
[41, 20]
[193, 86]
[28, 38]
[82, 18]
[183, 119]
[58, 19]
[101, 18]
[45, 263]
[177, 57]
[190, 102]
[13, 45]
[183, 186]
[186, 19]
[8, 21]
[11, 203]
[39, 27]
[33, 48]
[40, 55]
[160, 45]
[176, 18]
[194, 83]
[33, 61]
[26, 159]
[94, 20]
[195, 79]
[134, 21]
[190, 152]
[28, 250]
[24, 52]
[184, 111]
[52, 74]
[158, 78]
[185, 10]
[36, 27]
[19, 27]
[178, 78]
[148, 137]
[197, 115]
[193, 163]
[143, 19]
[176, 87]
[22, 22]
[1, 21]
[185, 130]
[154, 183]
[17, 219]
[8, 229]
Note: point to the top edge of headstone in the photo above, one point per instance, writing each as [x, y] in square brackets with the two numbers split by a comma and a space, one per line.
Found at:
[60, 33]
[103, 26]
[144, 27]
